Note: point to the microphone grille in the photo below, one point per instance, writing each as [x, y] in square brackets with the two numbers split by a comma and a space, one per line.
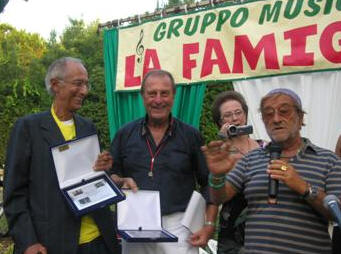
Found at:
[328, 199]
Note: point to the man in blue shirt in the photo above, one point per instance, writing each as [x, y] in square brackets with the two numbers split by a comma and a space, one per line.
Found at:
[159, 152]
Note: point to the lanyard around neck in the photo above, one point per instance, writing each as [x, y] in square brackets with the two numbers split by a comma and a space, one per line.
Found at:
[153, 156]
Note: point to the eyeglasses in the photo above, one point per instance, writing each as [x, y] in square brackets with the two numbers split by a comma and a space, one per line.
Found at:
[79, 83]
[283, 111]
[229, 115]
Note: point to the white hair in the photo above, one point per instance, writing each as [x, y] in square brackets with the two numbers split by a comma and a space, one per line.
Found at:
[57, 70]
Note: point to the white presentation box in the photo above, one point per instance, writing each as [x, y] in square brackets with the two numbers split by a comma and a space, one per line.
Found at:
[84, 189]
[139, 218]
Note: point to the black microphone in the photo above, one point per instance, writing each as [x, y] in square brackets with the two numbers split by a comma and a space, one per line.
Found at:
[275, 153]
[331, 202]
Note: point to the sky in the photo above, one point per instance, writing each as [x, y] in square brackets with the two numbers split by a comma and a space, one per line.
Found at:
[42, 16]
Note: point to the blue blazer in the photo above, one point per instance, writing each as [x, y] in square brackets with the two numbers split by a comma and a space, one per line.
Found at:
[34, 205]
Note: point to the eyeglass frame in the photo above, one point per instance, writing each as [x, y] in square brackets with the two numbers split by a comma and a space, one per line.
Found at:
[237, 113]
[79, 83]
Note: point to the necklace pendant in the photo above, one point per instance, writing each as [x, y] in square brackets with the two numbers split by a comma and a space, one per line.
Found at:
[150, 173]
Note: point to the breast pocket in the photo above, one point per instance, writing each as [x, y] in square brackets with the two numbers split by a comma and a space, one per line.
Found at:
[176, 162]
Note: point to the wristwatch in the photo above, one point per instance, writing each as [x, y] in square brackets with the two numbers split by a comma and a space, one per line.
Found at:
[311, 193]
[209, 223]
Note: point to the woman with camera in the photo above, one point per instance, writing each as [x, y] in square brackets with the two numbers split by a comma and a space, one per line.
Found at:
[230, 115]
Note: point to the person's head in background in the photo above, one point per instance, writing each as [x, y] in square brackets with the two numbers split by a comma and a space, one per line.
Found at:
[229, 108]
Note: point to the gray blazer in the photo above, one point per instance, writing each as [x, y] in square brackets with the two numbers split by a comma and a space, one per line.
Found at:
[34, 205]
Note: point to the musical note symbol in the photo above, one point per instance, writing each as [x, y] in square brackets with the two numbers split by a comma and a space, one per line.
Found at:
[140, 48]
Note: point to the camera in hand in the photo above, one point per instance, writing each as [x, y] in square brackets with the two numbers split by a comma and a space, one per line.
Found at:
[234, 131]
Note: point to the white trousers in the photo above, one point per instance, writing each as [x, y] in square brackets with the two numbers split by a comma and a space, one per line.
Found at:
[171, 223]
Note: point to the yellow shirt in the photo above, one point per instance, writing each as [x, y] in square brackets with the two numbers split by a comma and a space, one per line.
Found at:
[89, 230]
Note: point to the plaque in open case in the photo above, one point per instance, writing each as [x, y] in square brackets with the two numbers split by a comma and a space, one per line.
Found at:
[139, 218]
[84, 189]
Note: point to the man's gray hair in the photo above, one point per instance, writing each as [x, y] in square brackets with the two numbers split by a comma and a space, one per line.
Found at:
[57, 70]
[157, 73]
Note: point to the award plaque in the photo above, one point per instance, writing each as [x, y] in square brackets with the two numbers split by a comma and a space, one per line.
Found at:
[84, 189]
[139, 218]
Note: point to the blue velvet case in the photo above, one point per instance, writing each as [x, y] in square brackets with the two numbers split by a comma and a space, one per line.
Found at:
[139, 218]
[84, 189]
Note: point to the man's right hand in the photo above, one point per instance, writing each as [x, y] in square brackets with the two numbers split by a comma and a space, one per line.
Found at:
[125, 182]
[218, 158]
[104, 161]
[36, 249]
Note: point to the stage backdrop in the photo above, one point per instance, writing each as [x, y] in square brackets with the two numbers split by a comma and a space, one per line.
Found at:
[227, 42]
[320, 93]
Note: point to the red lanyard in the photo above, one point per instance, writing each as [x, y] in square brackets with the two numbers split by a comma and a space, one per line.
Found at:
[153, 156]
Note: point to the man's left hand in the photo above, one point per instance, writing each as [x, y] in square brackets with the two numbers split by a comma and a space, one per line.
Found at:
[104, 161]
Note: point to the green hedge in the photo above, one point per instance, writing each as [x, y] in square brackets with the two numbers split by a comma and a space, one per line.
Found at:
[207, 127]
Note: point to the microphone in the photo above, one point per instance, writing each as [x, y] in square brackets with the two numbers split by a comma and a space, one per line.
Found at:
[275, 153]
[331, 202]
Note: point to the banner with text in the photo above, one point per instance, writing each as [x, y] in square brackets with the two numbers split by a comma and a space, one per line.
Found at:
[233, 41]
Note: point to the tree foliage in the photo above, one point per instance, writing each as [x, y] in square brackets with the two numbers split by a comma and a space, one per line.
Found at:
[24, 59]
[21, 88]
[207, 126]
[173, 3]
[3, 3]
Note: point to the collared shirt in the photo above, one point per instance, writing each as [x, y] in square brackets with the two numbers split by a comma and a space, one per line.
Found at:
[292, 225]
[178, 166]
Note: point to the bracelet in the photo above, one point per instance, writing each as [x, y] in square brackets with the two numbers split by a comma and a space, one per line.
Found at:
[209, 223]
[216, 182]
[216, 186]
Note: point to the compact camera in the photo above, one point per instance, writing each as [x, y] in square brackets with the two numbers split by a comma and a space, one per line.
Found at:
[234, 130]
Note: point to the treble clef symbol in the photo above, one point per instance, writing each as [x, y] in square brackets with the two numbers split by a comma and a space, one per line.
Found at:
[140, 48]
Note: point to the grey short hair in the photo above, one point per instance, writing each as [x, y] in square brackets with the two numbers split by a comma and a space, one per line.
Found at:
[57, 70]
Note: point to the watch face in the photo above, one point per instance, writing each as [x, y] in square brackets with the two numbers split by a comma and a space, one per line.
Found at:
[313, 191]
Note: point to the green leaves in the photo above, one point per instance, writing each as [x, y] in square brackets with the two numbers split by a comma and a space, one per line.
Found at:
[24, 59]
[207, 126]
[21, 79]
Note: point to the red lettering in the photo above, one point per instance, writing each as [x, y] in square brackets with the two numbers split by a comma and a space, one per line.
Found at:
[298, 39]
[208, 62]
[326, 43]
[151, 57]
[244, 46]
[187, 63]
[129, 79]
